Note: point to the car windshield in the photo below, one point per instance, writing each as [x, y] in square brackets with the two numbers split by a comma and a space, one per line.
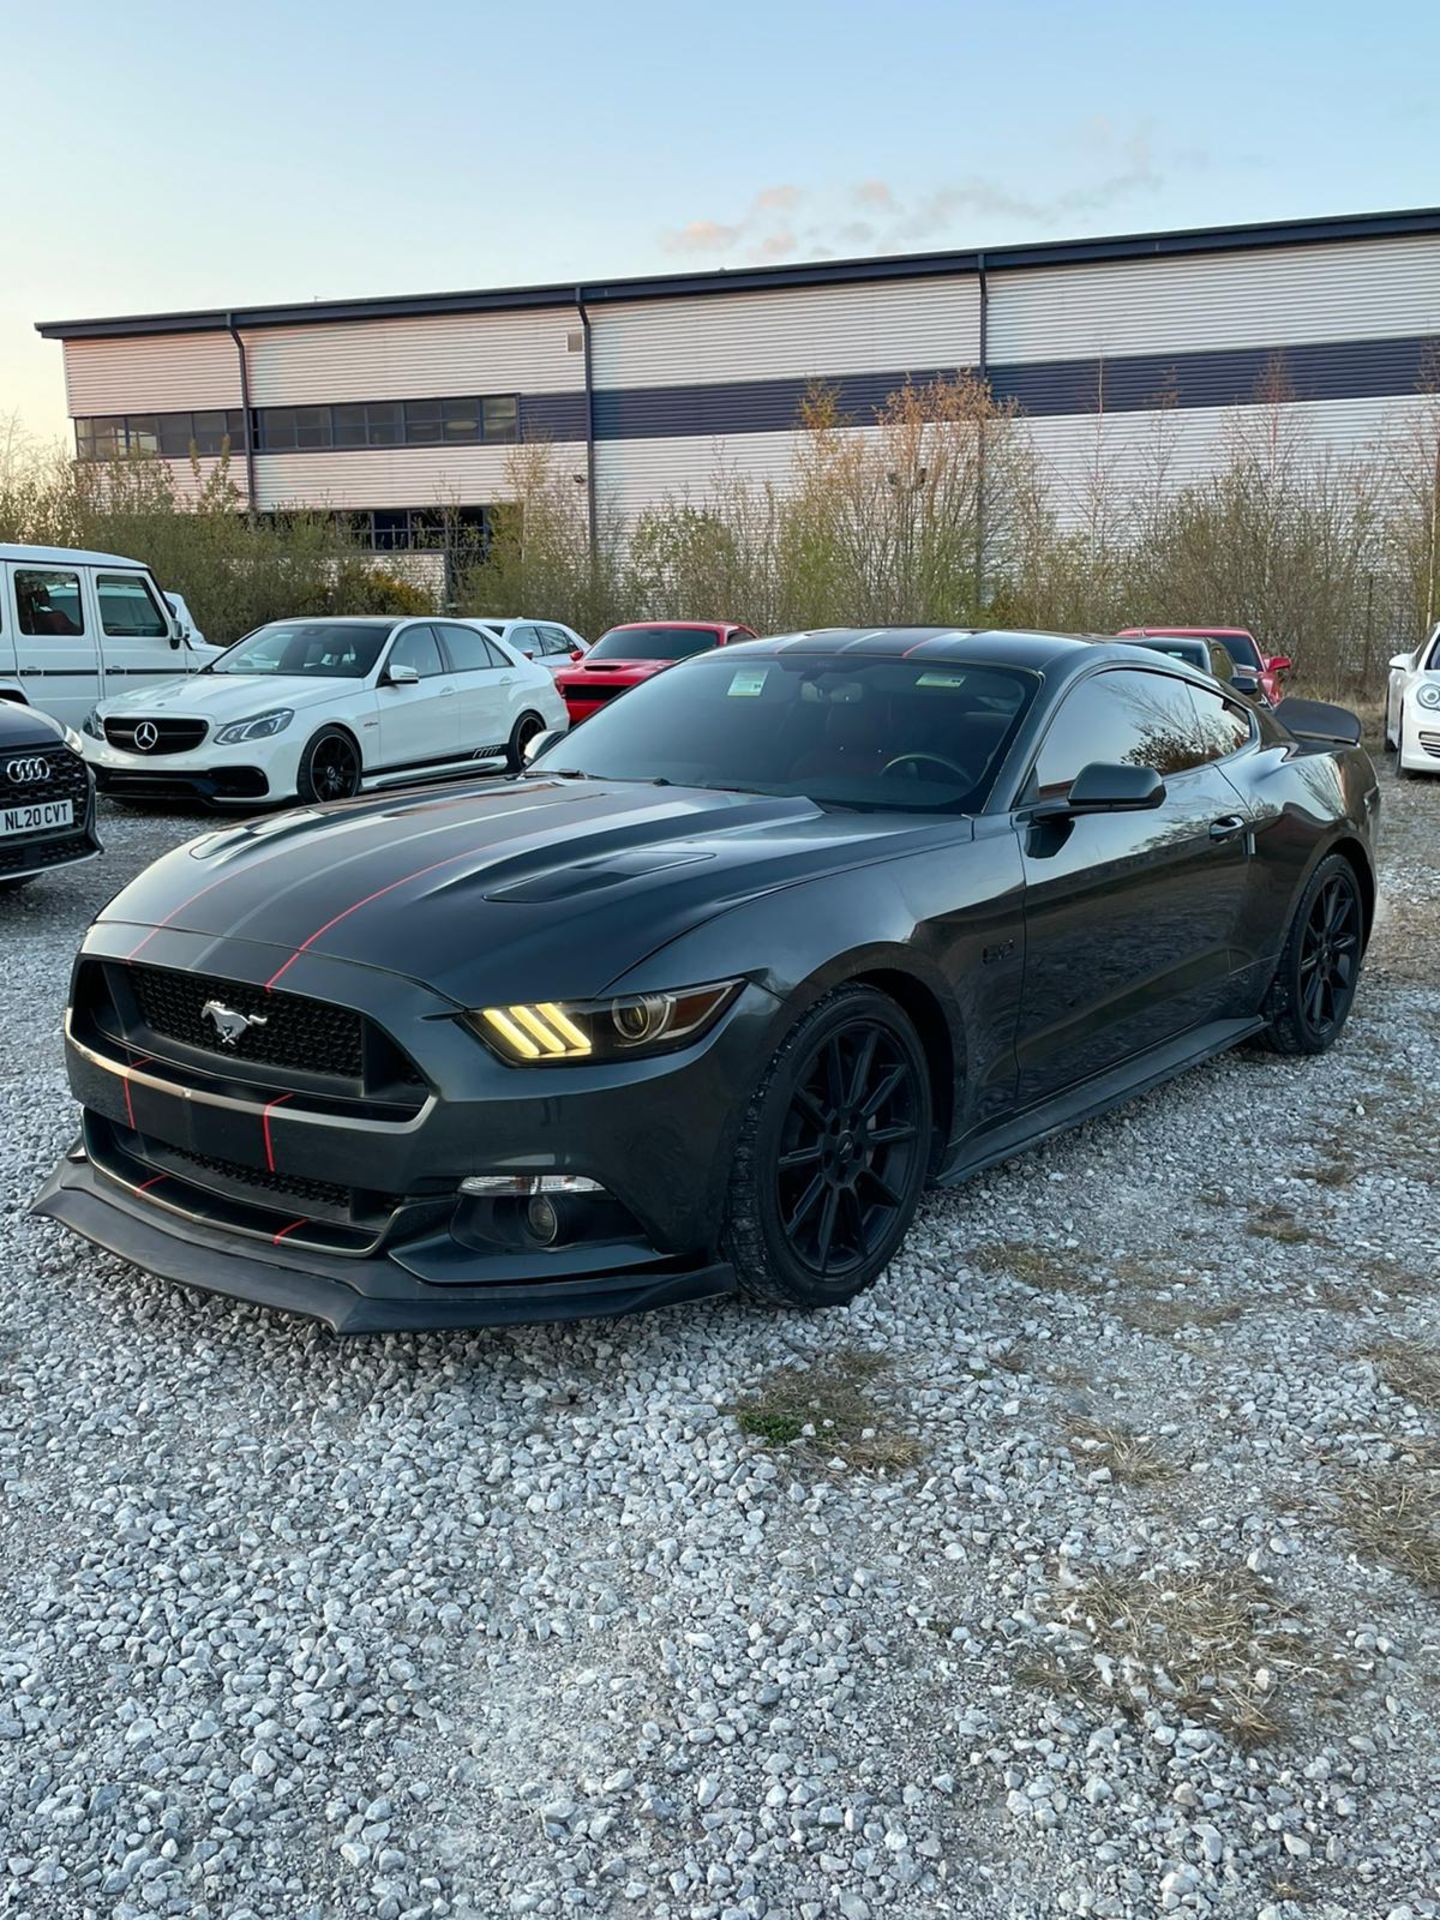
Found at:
[1241, 649]
[314, 649]
[652, 643]
[878, 733]
[1195, 653]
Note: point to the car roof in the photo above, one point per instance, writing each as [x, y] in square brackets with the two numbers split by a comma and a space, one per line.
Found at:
[1188, 633]
[66, 556]
[386, 620]
[704, 626]
[974, 644]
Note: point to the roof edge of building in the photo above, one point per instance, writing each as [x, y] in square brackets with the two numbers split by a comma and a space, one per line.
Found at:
[817, 273]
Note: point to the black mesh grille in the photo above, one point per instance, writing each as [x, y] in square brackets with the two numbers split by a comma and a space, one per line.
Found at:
[313, 1193]
[171, 736]
[26, 856]
[307, 1035]
[599, 690]
[65, 779]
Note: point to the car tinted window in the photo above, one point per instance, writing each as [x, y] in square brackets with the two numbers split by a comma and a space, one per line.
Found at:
[417, 647]
[128, 608]
[318, 648]
[469, 651]
[556, 640]
[48, 602]
[1222, 726]
[1120, 718]
[1241, 649]
[653, 643]
[876, 733]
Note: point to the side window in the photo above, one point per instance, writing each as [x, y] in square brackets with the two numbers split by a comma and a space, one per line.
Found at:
[49, 602]
[1120, 718]
[525, 640]
[1221, 726]
[468, 651]
[556, 640]
[417, 647]
[127, 608]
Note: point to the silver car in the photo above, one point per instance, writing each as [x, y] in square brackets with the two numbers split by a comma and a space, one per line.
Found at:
[545, 641]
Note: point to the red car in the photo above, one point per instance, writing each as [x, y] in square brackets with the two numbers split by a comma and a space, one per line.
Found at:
[1238, 642]
[623, 657]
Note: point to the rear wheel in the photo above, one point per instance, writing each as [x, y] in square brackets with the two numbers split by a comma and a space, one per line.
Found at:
[1319, 969]
[832, 1155]
[330, 767]
[526, 729]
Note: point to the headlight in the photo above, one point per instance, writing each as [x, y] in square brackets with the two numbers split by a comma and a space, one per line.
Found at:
[550, 1031]
[1428, 694]
[91, 724]
[74, 742]
[260, 726]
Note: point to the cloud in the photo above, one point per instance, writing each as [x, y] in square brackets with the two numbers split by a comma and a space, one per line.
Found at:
[1098, 167]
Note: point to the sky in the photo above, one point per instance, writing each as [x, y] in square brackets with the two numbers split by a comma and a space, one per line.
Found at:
[170, 156]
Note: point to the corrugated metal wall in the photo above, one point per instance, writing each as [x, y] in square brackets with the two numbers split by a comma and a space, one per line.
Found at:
[393, 476]
[153, 373]
[1363, 289]
[415, 359]
[805, 334]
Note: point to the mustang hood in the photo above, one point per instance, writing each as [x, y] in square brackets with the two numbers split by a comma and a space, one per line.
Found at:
[537, 888]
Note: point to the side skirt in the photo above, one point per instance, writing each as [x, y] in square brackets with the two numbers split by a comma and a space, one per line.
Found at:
[444, 770]
[1094, 1097]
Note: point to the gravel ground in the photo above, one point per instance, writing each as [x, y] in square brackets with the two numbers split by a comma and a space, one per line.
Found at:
[1087, 1566]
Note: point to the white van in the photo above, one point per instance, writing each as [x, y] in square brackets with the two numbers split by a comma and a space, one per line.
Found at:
[76, 627]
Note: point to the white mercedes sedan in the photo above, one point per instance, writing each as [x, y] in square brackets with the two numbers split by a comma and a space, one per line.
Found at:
[1412, 708]
[322, 709]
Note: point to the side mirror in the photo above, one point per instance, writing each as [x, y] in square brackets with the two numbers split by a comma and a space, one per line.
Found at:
[1318, 720]
[1401, 662]
[540, 743]
[1247, 684]
[1279, 663]
[577, 654]
[1101, 788]
[401, 676]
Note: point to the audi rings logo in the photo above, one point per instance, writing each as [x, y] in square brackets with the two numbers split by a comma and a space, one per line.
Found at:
[27, 773]
[147, 736]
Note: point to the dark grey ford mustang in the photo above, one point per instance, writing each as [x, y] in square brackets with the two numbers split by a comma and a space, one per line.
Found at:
[706, 997]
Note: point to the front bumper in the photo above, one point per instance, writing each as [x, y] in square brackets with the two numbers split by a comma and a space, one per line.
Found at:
[236, 776]
[373, 1295]
[207, 1169]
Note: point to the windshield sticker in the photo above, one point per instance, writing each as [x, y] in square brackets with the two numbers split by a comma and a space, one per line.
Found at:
[941, 680]
[748, 681]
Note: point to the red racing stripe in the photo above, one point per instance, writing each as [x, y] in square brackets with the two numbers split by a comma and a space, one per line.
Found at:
[379, 894]
[270, 1107]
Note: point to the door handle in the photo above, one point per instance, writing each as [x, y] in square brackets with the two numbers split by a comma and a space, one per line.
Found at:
[1227, 826]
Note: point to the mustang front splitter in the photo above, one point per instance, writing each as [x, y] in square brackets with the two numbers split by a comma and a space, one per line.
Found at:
[373, 1294]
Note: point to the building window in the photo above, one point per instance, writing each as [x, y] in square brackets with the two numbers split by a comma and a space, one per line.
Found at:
[454, 530]
[466, 422]
[171, 435]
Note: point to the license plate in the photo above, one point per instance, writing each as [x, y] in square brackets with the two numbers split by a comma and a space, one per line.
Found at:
[43, 817]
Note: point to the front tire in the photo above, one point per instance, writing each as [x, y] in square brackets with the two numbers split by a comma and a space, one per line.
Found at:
[1319, 969]
[329, 767]
[525, 730]
[832, 1156]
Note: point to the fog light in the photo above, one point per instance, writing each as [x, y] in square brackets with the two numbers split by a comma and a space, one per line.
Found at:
[542, 1220]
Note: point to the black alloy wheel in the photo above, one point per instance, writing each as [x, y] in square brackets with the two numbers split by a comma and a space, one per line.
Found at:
[330, 769]
[833, 1154]
[1320, 966]
[527, 727]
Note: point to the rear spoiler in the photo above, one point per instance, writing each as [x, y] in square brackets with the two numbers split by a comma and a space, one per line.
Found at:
[1318, 720]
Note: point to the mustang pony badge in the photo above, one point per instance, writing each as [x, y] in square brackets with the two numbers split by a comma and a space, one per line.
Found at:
[231, 1026]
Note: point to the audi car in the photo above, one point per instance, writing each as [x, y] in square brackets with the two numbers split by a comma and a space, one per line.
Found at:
[628, 656]
[703, 1000]
[47, 797]
[321, 709]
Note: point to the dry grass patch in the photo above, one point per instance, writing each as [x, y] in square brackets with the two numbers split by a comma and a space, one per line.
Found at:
[1214, 1642]
[1131, 1457]
[829, 1410]
[1279, 1224]
[1174, 1316]
[1394, 1517]
[1408, 1368]
[1043, 1268]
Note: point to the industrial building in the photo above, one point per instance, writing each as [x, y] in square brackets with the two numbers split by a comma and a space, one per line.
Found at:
[388, 409]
